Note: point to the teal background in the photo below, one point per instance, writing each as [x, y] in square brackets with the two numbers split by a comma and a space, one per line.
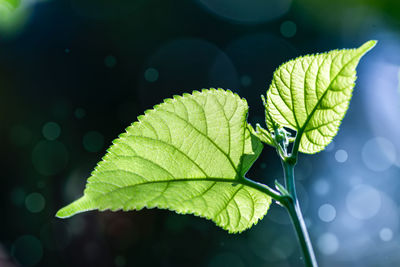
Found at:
[74, 74]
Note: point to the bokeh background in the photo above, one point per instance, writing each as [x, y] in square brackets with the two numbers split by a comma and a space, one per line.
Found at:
[74, 74]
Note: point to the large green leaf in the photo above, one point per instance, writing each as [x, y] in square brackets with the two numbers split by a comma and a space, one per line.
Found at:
[311, 94]
[189, 154]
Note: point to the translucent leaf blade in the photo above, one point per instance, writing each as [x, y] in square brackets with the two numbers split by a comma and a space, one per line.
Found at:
[190, 155]
[311, 94]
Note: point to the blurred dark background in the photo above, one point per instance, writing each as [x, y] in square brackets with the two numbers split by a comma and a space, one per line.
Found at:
[74, 74]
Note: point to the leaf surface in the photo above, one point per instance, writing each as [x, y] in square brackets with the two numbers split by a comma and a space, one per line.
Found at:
[188, 154]
[311, 94]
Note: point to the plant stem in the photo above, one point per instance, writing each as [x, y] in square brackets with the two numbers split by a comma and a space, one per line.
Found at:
[288, 170]
[263, 188]
[288, 196]
[291, 204]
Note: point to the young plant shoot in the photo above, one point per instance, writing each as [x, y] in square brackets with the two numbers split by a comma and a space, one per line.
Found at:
[191, 153]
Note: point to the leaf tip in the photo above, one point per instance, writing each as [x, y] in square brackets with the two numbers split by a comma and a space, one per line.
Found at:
[66, 211]
[80, 205]
[62, 214]
[368, 46]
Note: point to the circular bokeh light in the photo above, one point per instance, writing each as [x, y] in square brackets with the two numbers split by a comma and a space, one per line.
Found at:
[321, 187]
[80, 113]
[341, 156]
[93, 141]
[378, 154]
[328, 243]
[363, 202]
[35, 202]
[151, 75]
[386, 234]
[51, 131]
[49, 157]
[27, 250]
[327, 213]
[245, 80]
[288, 28]
[110, 61]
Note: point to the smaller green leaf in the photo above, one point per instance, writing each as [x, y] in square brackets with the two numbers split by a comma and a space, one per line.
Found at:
[189, 154]
[281, 188]
[311, 95]
[262, 134]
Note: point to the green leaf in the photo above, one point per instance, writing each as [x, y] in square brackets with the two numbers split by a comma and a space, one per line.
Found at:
[188, 154]
[262, 134]
[311, 94]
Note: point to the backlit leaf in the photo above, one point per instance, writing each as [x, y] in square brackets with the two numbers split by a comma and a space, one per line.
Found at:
[311, 94]
[188, 154]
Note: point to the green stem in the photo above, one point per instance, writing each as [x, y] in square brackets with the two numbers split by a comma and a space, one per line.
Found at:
[289, 178]
[292, 206]
[288, 196]
[263, 188]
